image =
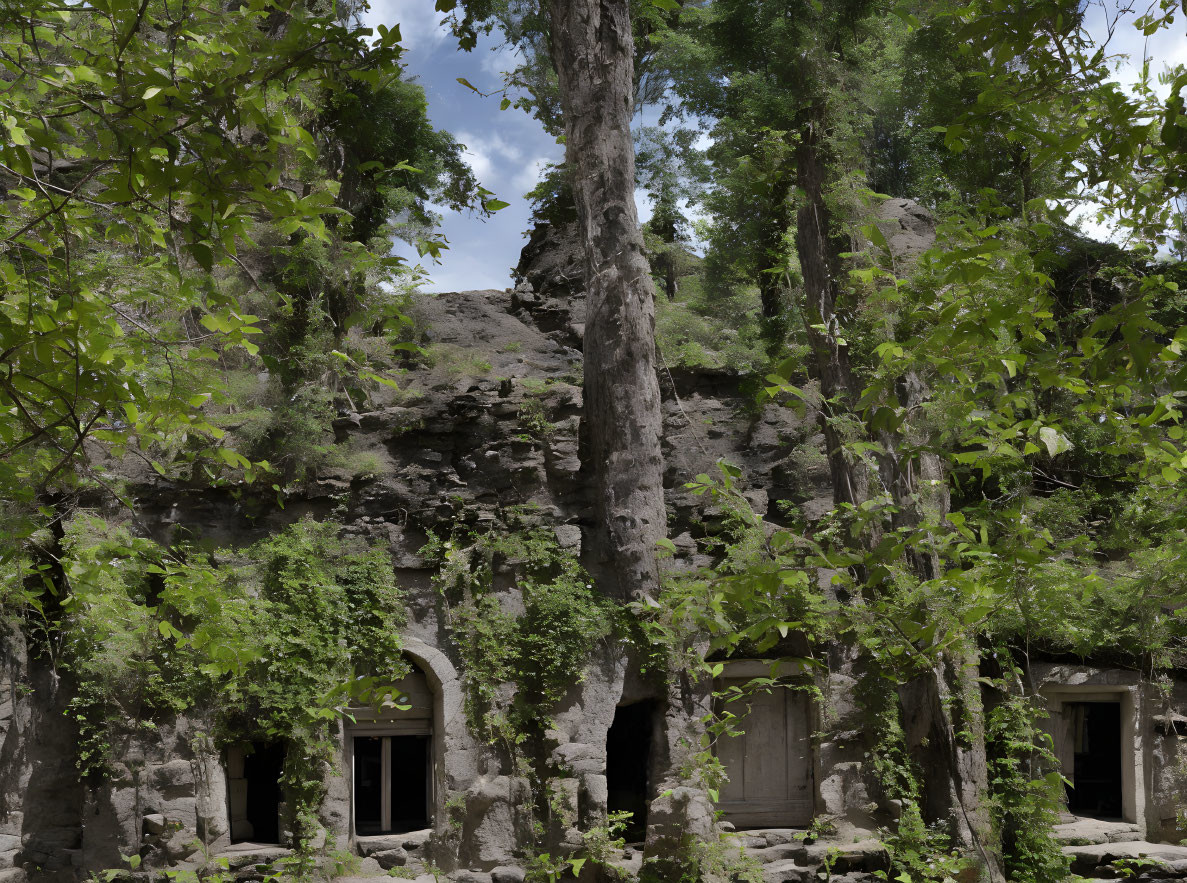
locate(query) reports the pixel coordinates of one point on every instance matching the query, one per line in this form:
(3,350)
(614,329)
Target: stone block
(155,823)
(787,872)
(507,874)
(391,858)
(470,877)
(173,775)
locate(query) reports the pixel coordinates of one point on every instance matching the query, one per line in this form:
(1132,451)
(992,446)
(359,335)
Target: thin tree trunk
(671,279)
(820,265)
(772,285)
(947,737)
(593,52)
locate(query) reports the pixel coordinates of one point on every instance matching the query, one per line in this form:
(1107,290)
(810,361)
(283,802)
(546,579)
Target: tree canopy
(197,280)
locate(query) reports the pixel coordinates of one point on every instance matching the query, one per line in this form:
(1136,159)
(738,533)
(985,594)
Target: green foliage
(322,602)
(700,330)
(393,160)
(270,642)
(1027,789)
(921,852)
(145,636)
(544,649)
(122,203)
(552,197)
(533,416)
(759,593)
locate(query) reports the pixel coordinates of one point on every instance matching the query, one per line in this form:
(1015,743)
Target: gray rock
(788,872)
(391,858)
(507,874)
(468,876)
(155,823)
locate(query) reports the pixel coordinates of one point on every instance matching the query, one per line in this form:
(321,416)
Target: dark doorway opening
(1096,752)
(628,765)
(262,766)
(392,784)
(368,785)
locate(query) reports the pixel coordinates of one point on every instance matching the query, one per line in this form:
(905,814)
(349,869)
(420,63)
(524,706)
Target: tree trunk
(820,264)
(593,53)
(947,734)
(671,271)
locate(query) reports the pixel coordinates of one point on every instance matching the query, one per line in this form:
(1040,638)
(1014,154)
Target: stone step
(799,862)
(377,843)
(243,855)
(777,853)
(787,872)
(864,855)
(1082,831)
(1171,860)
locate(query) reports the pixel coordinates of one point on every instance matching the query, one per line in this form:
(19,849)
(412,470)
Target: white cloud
(1130,49)
(500,60)
(1165,48)
(529,175)
(420,23)
(497,161)
(478,159)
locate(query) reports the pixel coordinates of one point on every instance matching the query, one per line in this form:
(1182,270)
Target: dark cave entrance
(628,765)
(1096,751)
(257,793)
(391,783)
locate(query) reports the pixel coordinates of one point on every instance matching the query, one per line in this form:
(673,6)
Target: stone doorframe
(446,724)
(1059,685)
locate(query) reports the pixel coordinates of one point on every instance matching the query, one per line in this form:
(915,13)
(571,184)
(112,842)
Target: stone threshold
(1085,831)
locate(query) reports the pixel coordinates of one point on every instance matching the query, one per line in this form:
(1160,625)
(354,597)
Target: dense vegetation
(195,255)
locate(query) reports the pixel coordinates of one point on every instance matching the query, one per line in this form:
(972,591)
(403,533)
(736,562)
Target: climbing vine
(541,649)
(266,644)
(521,651)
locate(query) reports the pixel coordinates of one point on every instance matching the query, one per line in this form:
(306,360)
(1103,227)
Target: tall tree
(593,53)
(783,82)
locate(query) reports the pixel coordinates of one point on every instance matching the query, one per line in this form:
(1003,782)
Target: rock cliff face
(490,420)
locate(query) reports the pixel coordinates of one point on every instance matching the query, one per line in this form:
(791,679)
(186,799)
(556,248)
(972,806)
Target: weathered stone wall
(41,798)
(492,419)
(1165,757)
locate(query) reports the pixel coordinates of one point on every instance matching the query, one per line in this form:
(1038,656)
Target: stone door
(770,765)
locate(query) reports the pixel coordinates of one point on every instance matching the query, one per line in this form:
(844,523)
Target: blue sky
(507,148)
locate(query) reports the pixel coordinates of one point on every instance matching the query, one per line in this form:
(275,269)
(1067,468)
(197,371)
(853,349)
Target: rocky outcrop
(487,420)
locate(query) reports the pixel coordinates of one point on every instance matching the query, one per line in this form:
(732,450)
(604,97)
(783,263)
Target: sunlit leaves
(143,142)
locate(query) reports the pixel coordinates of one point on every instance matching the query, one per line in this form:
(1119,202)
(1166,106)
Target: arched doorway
(392,762)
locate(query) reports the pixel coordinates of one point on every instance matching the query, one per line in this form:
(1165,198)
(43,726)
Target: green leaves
(140,167)
(1054,441)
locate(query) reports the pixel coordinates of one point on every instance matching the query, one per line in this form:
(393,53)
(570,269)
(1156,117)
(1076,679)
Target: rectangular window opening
(392,786)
